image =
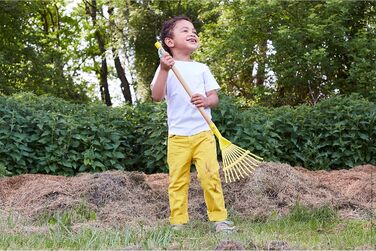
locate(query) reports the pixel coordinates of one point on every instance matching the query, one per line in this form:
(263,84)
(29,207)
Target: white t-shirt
(184,119)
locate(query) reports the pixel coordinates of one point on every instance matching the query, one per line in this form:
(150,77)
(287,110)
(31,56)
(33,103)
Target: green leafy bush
(339,132)
(53,136)
(41,134)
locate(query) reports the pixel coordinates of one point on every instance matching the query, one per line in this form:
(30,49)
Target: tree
(316,44)
(236,45)
(34,39)
(104,36)
(288,53)
(119,36)
(92,9)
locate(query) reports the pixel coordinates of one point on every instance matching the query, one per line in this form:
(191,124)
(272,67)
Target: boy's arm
(158,90)
(211,99)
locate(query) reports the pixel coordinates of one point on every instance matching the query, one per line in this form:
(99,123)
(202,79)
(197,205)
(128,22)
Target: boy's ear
(169,42)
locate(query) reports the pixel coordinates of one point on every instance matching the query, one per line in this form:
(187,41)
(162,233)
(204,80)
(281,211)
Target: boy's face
(184,37)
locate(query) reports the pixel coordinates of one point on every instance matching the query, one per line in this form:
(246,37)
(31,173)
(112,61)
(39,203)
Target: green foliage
(36,43)
(41,134)
(292,52)
(337,133)
(4,171)
(65,139)
(272,53)
(152,135)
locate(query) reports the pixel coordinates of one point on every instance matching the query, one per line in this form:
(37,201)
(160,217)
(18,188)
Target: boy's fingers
(198,100)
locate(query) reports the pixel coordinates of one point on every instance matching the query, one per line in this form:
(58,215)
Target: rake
(236,162)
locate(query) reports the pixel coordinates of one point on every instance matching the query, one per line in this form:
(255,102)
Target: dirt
(120,198)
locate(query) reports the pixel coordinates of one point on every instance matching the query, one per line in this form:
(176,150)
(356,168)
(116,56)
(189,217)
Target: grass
(303,228)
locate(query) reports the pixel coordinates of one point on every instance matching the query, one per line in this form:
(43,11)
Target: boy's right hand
(166,62)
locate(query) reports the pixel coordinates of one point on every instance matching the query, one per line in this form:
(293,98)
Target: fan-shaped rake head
(237,162)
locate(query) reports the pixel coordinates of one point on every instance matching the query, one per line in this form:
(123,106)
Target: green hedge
(339,132)
(49,135)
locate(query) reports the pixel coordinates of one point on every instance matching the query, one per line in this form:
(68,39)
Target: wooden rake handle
(185,85)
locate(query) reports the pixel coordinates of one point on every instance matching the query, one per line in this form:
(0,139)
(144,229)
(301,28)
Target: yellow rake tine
(248,162)
(239,161)
(232,174)
(228,175)
(244,164)
(227,163)
(224,162)
(226,180)
(231,158)
(227,152)
(244,170)
(236,172)
(234,156)
(246,167)
(231,166)
(236,166)
(240,154)
(240,170)
(243,152)
(234,169)
(249,158)
(227,158)
(249,153)
(252,161)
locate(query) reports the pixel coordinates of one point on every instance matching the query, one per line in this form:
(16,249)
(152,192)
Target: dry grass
(121,198)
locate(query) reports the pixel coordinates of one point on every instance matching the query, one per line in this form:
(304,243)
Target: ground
(119,198)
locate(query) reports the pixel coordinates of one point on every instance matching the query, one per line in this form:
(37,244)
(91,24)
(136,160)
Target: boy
(190,139)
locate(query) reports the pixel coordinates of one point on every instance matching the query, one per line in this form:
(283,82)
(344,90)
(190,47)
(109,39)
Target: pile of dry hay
(129,197)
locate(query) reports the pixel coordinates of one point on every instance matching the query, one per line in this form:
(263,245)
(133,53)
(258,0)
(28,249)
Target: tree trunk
(124,85)
(105,93)
(125,89)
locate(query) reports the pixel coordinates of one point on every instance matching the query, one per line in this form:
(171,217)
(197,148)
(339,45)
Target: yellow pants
(181,152)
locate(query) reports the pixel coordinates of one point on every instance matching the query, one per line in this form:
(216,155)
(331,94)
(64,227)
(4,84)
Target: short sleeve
(210,82)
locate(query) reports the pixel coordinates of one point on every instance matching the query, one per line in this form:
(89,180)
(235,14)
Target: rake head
(237,162)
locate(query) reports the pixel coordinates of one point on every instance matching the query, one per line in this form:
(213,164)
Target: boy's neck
(182,56)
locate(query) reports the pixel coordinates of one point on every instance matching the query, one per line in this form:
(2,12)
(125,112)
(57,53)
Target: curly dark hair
(167,28)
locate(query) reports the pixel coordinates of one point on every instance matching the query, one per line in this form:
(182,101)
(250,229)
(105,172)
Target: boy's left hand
(199,100)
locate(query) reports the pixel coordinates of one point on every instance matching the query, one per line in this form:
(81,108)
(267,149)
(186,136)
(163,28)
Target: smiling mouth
(192,40)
